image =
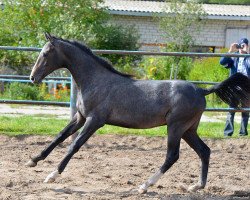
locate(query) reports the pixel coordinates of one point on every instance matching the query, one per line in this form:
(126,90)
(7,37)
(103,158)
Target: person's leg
(244,122)
(229,127)
(244,118)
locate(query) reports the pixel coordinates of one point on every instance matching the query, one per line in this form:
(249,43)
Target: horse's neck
(86,71)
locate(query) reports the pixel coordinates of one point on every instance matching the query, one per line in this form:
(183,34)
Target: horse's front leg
(75,124)
(90,126)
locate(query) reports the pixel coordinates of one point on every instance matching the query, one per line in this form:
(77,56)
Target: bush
(61,93)
(25,21)
(159,68)
(115,37)
(19,91)
(24,91)
(209,69)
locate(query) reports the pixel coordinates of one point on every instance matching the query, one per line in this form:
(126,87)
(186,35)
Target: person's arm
(228,61)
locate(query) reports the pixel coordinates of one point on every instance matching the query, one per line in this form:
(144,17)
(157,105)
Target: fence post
(73,95)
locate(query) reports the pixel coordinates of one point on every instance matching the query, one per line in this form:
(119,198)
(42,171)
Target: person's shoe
(242,134)
(227,136)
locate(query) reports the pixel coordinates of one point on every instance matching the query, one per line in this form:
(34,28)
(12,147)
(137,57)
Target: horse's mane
(100,60)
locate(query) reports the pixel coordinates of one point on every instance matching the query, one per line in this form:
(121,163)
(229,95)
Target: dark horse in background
(106,96)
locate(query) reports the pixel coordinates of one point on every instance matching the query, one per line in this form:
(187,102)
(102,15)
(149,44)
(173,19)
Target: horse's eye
(45,54)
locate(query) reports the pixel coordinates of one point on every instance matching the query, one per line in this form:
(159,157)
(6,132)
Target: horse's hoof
(49,180)
(142,189)
(183,188)
(30,163)
(194,188)
(51,177)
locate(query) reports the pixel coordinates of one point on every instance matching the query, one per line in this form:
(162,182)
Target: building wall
(214,33)
(151,37)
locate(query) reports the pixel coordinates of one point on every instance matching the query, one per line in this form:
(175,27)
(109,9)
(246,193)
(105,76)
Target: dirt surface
(113,166)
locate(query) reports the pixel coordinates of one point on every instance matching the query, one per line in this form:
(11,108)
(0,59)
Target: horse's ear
(49,37)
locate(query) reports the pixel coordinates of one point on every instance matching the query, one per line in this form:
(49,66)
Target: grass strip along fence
(47,125)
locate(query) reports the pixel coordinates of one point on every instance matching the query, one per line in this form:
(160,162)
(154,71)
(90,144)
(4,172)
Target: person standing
(237,65)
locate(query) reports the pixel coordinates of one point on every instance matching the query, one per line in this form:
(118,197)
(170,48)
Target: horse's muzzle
(35,80)
(32,78)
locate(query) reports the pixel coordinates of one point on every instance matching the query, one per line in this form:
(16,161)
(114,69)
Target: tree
(25,22)
(117,37)
(181,21)
(235,2)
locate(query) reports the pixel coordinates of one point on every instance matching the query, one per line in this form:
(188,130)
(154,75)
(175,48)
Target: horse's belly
(139,122)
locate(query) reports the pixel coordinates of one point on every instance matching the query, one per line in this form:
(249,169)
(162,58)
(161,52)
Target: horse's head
(48,60)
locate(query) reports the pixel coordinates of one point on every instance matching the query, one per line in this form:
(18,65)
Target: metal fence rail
(28,81)
(4,76)
(120,52)
(32,102)
(149,53)
(25,79)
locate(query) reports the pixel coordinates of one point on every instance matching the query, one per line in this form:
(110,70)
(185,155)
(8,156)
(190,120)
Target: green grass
(45,125)
(30,125)
(205,130)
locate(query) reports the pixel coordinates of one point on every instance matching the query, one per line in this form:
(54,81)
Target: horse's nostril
(32,78)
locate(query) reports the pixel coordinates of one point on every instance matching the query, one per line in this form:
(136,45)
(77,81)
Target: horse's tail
(234,90)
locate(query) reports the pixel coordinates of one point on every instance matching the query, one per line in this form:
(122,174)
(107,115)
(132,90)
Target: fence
(25,79)
(72,103)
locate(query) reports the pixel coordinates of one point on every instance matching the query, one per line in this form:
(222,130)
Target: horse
(107,96)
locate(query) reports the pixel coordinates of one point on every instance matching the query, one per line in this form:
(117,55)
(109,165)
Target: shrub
(20,91)
(160,68)
(116,37)
(24,91)
(209,69)
(62,93)
(25,21)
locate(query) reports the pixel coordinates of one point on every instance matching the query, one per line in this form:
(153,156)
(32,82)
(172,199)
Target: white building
(224,23)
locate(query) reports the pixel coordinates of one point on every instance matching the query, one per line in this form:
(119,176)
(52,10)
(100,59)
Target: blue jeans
(229,128)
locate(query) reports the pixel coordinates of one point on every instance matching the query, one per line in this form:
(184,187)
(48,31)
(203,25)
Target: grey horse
(106,96)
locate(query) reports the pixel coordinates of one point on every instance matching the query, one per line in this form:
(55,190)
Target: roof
(149,8)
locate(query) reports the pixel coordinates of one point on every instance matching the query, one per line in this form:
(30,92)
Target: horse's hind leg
(203,151)
(75,124)
(174,137)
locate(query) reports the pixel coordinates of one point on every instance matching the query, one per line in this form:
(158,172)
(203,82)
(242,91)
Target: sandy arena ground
(113,166)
